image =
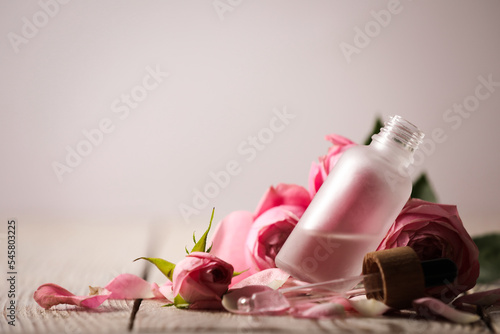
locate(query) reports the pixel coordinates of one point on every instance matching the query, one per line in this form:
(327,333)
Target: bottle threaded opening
(401,132)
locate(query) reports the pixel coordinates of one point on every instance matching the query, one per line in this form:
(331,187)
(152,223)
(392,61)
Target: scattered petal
(369,307)
(483,298)
(48,295)
(436,306)
(317,311)
(346,303)
(273,278)
(128,286)
(124,286)
(166,291)
(157,292)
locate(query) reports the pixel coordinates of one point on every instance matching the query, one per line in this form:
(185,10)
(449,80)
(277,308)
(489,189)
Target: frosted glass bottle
(354,208)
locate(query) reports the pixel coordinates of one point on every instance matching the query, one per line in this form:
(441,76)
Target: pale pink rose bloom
(283,194)
(320,170)
(251,241)
(436,231)
(201,279)
(268,234)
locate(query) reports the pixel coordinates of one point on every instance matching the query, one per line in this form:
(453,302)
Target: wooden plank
(494,315)
(111,317)
(73,256)
(490,314)
(154,318)
(77,256)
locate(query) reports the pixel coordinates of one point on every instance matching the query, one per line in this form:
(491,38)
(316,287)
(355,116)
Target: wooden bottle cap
(401,276)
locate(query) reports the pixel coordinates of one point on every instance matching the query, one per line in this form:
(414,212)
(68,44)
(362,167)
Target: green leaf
(376,129)
(167,268)
(179,302)
(168,305)
(236,273)
(422,189)
(201,245)
(489,257)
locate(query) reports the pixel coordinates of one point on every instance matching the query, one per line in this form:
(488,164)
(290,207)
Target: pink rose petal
(268,233)
(436,231)
(338,140)
(48,295)
(438,307)
(283,194)
(483,298)
(317,311)
(229,241)
(158,291)
(319,171)
(369,307)
(316,178)
(273,278)
(128,286)
(166,291)
(124,286)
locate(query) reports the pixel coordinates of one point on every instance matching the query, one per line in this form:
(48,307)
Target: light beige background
(229,68)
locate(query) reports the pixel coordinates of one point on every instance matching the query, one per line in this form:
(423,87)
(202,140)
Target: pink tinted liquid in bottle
(355,206)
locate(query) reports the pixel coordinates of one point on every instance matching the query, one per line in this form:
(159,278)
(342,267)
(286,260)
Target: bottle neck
(398,139)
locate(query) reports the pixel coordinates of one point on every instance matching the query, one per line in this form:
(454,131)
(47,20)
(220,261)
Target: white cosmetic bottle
(354,208)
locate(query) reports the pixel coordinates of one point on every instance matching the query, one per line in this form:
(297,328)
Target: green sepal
(179,302)
(201,245)
(186,249)
(489,257)
(422,189)
(167,268)
(236,273)
(376,129)
(168,305)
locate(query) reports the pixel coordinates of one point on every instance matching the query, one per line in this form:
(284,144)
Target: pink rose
(436,231)
(269,232)
(201,279)
(319,171)
(251,241)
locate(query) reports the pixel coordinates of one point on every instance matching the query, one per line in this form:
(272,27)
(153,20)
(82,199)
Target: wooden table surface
(76,256)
